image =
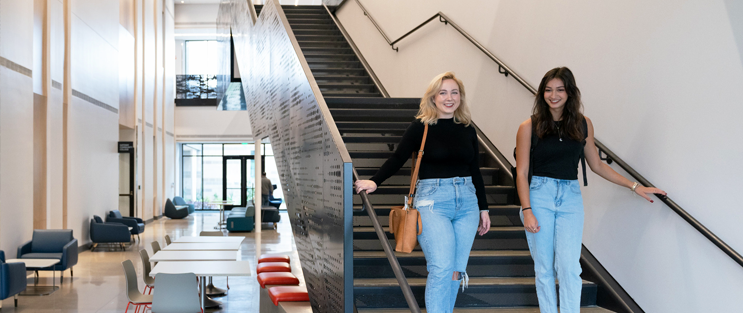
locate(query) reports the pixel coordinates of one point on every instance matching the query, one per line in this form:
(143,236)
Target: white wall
(208,124)
(92,131)
(659,81)
(16,125)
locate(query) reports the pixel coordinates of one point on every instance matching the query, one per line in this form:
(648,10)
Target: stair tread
(419,254)
(369,229)
(474,281)
(589,309)
(490,206)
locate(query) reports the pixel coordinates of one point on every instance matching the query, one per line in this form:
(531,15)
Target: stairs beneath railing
(500,268)
(337,70)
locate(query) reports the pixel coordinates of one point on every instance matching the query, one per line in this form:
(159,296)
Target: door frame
(243,177)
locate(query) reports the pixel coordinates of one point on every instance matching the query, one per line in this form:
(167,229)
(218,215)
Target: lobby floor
(99,286)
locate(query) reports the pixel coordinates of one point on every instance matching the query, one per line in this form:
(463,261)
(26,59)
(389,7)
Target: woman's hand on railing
(365,185)
(645,192)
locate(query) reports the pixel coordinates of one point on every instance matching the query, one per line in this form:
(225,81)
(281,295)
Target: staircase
(500,268)
(337,70)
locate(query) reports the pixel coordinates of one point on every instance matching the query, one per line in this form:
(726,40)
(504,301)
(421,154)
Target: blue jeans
(450,216)
(558,206)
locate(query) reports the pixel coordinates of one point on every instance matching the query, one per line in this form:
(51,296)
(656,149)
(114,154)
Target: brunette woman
(552,206)
(450,194)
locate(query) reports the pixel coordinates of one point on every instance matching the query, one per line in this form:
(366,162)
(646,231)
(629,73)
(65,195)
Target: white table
(217,246)
(34,265)
(221,212)
(161,256)
(209,239)
(203,269)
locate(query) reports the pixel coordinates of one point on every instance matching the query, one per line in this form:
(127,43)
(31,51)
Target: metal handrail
(610,156)
(366,204)
(406,291)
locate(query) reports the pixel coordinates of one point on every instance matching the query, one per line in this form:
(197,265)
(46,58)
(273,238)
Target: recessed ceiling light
(182,1)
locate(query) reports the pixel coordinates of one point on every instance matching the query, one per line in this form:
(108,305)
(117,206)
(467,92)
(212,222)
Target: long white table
(209,239)
(161,256)
(218,246)
(203,269)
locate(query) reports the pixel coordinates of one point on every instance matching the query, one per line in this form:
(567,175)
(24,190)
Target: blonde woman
(450,194)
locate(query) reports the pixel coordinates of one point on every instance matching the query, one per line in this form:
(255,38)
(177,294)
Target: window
(202,172)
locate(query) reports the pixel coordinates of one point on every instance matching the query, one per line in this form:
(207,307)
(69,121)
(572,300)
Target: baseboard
(610,294)
(154,218)
(83,248)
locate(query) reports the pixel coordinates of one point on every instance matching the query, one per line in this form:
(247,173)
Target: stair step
(330,55)
(316,64)
(474,281)
(327,21)
(495,209)
(486,263)
(295,26)
(309,49)
(500,232)
(314,31)
(337,70)
(371,112)
(306,14)
(378,139)
(482,292)
(345,85)
(338,37)
(346,94)
(586,309)
(405,171)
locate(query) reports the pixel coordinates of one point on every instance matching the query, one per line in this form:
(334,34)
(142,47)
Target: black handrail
(610,156)
(406,291)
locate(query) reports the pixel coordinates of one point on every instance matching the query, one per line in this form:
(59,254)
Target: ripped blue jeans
(450,216)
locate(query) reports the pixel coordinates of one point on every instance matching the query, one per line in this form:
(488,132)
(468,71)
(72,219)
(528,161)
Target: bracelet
(634,186)
(526,208)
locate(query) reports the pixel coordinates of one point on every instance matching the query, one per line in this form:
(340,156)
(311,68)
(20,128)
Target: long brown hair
(429,114)
(572,118)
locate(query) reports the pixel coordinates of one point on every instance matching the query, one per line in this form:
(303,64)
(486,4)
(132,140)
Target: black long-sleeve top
(451,151)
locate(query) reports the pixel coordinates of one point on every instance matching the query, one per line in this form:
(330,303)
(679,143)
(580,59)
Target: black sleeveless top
(556,156)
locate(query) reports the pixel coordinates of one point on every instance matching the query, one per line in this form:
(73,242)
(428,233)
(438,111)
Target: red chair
(288,294)
(277,278)
(265,258)
(273,267)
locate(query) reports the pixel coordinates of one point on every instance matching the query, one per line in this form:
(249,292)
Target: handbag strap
(414,174)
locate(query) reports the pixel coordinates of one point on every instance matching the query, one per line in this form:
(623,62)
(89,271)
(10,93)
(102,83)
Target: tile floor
(98,284)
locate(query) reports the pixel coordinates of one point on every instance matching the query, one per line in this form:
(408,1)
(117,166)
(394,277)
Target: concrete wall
(659,80)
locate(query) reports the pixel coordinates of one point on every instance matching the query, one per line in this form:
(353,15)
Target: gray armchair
(52,244)
(101,232)
(180,201)
(136,223)
(173,212)
(12,278)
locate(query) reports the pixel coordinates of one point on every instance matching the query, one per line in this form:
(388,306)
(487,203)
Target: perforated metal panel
(285,104)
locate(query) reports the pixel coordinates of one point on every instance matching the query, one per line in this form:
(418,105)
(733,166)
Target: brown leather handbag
(405,220)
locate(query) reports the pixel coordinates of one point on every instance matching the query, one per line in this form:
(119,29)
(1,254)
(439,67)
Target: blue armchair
(52,244)
(180,201)
(136,223)
(172,212)
(101,232)
(12,278)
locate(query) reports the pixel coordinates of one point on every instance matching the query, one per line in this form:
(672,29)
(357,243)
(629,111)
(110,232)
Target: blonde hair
(429,114)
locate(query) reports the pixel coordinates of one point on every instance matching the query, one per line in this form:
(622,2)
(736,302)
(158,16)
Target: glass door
(239,180)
